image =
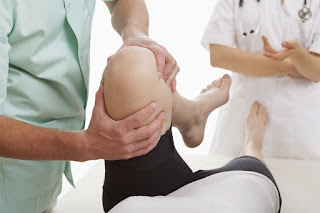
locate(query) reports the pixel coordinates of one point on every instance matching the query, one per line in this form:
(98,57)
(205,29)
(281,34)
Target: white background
(176,24)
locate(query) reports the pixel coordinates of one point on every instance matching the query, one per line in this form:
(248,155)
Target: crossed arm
(307,64)
(247,63)
(293,60)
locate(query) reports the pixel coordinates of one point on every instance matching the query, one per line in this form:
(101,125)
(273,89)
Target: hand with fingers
(166,64)
(282,55)
(108,139)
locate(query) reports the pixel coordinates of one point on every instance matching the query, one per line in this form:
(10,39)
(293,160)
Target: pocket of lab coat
(29,179)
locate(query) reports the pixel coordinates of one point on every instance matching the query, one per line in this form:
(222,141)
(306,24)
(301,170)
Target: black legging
(161,172)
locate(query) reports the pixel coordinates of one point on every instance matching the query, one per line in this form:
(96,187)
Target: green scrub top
(44,76)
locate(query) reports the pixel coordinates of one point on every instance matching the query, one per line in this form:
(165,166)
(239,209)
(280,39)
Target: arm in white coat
(305,62)
(308,64)
(248,63)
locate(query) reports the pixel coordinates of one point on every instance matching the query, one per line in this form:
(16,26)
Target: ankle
(251,148)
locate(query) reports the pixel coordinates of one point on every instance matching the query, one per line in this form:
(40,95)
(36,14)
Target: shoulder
(226,6)
(230,3)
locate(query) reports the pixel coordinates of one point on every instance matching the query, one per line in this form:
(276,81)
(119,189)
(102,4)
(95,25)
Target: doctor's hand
(289,48)
(283,55)
(108,139)
(167,66)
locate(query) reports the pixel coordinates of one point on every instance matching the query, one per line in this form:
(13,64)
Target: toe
(215,83)
(254,108)
(220,82)
(226,81)
(262,110)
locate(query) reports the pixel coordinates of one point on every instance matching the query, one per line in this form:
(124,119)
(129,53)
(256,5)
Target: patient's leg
(256,125)
(131,82)
(190,117)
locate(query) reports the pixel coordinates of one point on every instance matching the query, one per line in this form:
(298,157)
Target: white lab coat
(293,105)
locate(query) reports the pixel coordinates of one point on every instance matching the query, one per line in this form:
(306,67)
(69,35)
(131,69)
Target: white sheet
(234,192)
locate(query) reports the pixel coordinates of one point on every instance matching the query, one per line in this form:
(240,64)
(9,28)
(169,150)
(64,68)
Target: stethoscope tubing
(304,14)
(241,3)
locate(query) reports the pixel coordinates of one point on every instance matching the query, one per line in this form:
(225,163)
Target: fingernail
(155,105)
(225,77)
(284,43)
(160,75)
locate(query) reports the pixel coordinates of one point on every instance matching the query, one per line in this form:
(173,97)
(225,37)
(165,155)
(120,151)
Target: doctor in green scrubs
(44,74)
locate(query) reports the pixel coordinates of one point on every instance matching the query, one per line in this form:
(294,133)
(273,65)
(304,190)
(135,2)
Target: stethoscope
(304,14)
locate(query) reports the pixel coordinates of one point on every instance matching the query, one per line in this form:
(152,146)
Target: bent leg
(190,116)
(131,82)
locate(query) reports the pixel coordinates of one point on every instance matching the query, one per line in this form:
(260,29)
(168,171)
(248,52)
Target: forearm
(130,18)
(246,63)
(307,64)
(27,142)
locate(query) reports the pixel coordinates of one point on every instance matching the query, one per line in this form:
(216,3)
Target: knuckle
(136,119)
(150,132)
(166,75)
(124,141)
(151,141)
(118,131)
(127,151)
(157,51)
(175,63)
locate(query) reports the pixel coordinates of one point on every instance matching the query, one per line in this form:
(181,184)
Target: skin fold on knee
(131,82)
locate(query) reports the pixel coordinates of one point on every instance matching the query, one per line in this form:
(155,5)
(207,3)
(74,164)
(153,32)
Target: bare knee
(132,82)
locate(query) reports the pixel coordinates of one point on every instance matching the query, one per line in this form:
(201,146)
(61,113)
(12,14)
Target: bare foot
(256,126)
(215,95)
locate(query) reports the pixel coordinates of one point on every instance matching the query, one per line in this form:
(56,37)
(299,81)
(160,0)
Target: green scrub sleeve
(5,29)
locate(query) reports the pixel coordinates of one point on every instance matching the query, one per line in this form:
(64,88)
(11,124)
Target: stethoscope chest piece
(305,14)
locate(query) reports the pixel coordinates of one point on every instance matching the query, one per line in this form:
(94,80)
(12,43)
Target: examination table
(298,180)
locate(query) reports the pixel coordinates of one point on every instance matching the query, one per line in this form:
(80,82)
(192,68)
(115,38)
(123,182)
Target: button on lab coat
(292,104)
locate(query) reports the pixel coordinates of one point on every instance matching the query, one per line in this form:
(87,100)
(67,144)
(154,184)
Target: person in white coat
(272,47)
